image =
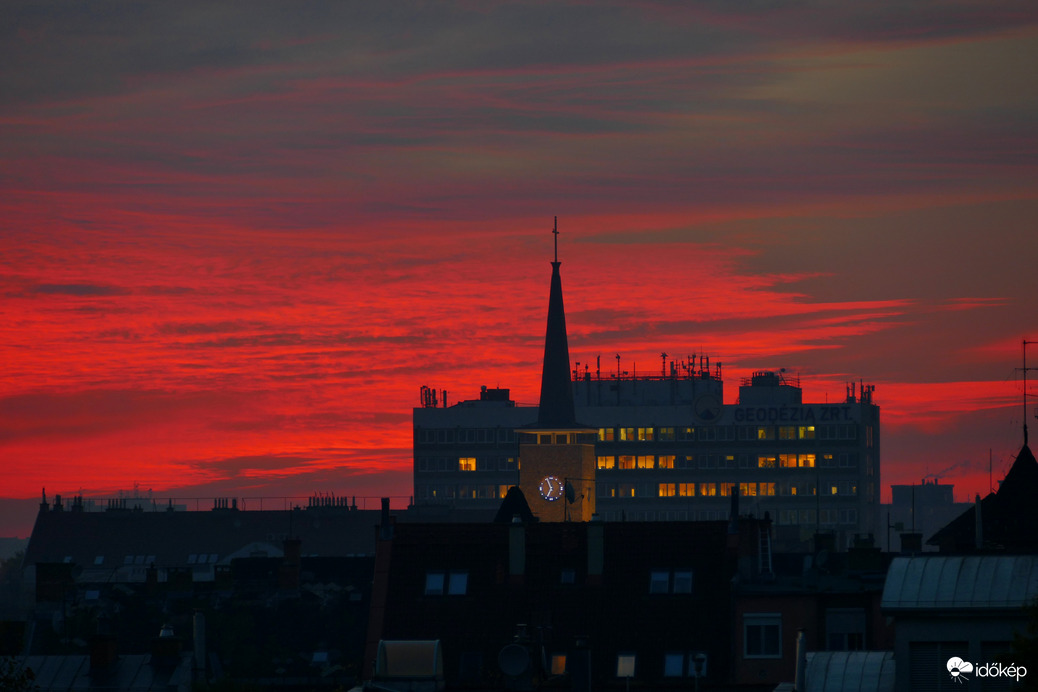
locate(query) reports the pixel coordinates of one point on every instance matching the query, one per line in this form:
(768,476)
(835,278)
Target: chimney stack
(516,550)
(198,635)
(595,550)
(385,529)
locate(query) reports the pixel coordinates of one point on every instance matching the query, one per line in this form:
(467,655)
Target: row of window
(713,433)
(465,435)
(826,517)
(628,462)
(676,664)
(723,433)
(477,491)
(481,463)
(845,488)
(455,582)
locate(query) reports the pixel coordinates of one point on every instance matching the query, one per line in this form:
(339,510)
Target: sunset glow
(234,242)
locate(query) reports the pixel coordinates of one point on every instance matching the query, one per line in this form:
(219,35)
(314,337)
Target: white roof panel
(850,671)
(970,581)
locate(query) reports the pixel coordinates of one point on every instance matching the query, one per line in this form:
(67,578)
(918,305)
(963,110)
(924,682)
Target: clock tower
(557,454)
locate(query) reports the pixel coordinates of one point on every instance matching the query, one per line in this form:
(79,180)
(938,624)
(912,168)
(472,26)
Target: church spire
(556,405)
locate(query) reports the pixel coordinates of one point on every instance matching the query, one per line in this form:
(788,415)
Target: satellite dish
(514,660)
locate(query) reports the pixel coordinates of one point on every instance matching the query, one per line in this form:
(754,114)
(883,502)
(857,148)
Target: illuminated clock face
(551,488)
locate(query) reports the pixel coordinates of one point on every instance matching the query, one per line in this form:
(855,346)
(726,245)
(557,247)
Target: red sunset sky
(235,239)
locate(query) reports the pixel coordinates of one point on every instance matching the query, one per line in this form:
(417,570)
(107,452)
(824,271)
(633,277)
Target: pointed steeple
(556,405)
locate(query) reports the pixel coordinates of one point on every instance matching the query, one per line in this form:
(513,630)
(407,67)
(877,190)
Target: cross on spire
(555,231)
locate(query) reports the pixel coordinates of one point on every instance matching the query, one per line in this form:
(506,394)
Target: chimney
(103,651)
(198,635)
(733,518)
(911,543)
(516,550)
(800,683)
(385,529)
(595,549)
(291,564)
(165,648)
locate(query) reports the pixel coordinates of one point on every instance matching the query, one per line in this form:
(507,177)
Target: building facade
(661,448)
(668,448)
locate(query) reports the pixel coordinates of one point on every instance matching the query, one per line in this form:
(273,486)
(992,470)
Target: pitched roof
(514,505)
(112,541)
(1008,515)
(556,404)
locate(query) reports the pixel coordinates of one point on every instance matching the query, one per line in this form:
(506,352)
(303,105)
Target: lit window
(707,489)
(666,490)
(665,461)
(646,461)
(807,461)
(766,433)
(502,490)
(558,664)
(766,488)
(626,462)
(762,635)
(806,432)
(626,490)
(834,490)
(625,665)
(645,434)
(606,462)
(627,435)
(665,434)
(726,489)
(748,489)
(687,489)
(787,461)
(467,463)
(767,462)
